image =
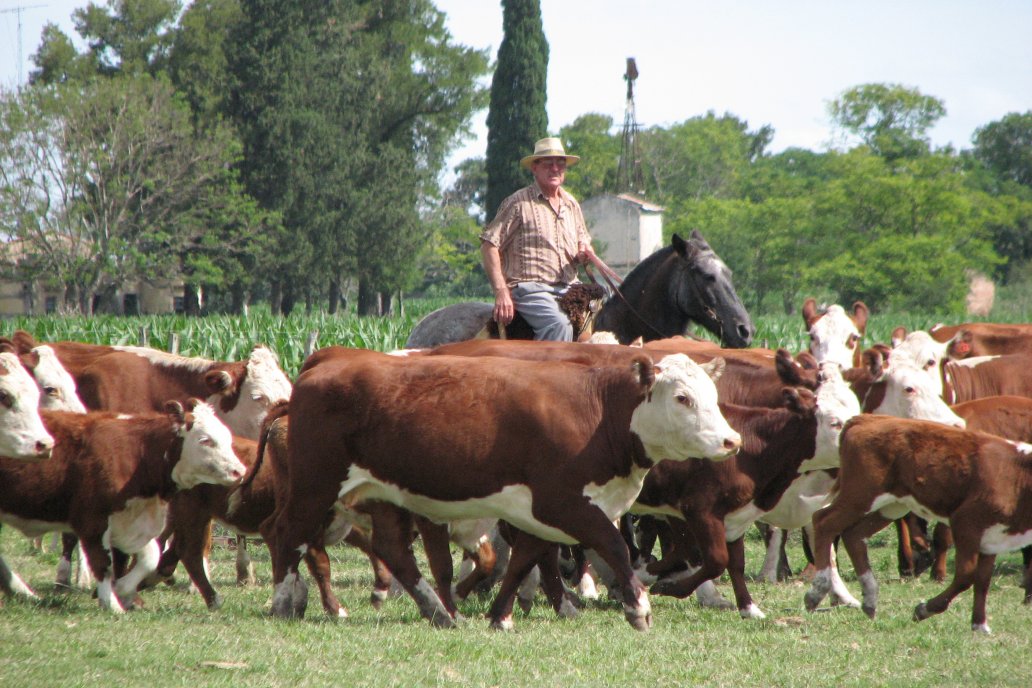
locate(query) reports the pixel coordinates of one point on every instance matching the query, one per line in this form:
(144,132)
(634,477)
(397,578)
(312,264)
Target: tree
(891,119)
(589,137)
(517,116)
(106,183)
(1005,147)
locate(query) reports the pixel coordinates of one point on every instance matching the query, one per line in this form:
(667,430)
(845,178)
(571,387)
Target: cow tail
(277,411)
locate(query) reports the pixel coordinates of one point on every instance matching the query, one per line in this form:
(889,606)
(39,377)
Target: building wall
(626,232)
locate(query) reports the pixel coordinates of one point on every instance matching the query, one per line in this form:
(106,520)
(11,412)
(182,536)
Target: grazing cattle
(834,334)
(130,379)
(22,434)
(983,339)
(890,466)
(558,450)
(779,476)
(109,481)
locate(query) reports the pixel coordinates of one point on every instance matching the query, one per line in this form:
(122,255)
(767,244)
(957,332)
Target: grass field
(66,640)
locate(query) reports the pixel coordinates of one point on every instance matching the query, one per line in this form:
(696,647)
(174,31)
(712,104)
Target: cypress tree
(517,116)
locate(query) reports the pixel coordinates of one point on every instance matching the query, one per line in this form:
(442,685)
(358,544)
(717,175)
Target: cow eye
(836,425)
(686,400)
(51,391)
(910,390)
(257,397)
(853,338)
(930,364)
(6,399)
(206,441)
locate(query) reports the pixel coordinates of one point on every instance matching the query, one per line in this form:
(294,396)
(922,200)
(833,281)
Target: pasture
(65,639)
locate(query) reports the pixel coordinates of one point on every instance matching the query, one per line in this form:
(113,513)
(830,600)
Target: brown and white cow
(22,434)
(558,450)
(109,481)
(56,385)
(834,334)
(891,466)
(983,339)
(780,476)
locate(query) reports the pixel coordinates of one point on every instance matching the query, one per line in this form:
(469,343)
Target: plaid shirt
(536,243)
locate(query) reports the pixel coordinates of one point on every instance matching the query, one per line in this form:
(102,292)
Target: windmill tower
(18,12)
(628,175)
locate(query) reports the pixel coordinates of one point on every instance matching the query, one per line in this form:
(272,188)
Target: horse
(678,284)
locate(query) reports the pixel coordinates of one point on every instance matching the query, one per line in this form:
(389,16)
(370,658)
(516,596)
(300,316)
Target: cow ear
(788,370)
(798,399)
(638,343)
(645,370)
(29,360)
(23,341)
(7,346)
(809,312)
(715,367)
(176,410)
(192,403)
(874,362)
(806,360)
(860,316)
(898,335)
(219,382)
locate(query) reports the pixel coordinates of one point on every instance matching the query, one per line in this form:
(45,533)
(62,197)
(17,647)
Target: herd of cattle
(133,453)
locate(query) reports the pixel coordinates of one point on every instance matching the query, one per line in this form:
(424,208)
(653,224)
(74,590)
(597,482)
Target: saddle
(581,303)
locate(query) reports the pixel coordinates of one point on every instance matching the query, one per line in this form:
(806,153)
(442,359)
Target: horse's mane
(644,270)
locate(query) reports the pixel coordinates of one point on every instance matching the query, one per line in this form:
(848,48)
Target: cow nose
(732,444)
(960,423)
(44,449)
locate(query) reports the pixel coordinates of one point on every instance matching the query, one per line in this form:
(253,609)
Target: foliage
(1005,147)
(589,137)
(517,116)
(891,119)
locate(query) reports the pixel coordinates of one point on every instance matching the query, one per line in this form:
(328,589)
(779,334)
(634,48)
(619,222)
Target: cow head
(22,435)
(679,417)
(922,351)
(243,393)
(834,334)
(911,393)
(836,403)
(207,455)
(55,383)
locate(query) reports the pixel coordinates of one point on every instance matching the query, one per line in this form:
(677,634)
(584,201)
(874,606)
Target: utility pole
(18,12)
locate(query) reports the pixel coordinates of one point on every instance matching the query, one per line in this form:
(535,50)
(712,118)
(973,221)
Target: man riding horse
(533,245)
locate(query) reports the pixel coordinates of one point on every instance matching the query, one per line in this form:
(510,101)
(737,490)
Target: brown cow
(834,334)
(109,481)
(22,435)
(983,339)
(559,450)
(890,466)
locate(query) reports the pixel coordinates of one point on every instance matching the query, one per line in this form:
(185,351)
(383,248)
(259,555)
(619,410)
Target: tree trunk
(368,299)
(191,305)
(289,299)
(387,303)
(276,297)
(238,299)
(334,296)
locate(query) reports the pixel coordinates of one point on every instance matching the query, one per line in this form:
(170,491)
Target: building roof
(641,203)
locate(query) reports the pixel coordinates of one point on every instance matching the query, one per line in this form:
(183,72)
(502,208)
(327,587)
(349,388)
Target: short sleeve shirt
(536,243)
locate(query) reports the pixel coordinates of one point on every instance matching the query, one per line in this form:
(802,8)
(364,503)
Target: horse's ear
(679,244)
(696,237)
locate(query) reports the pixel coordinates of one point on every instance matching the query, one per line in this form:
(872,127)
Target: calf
(777,477)
(890,466)
(834,334)
(559,450)
(109,481)
(983,339)
(22,435)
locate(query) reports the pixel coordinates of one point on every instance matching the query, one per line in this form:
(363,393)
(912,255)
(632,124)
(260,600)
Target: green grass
(65,639)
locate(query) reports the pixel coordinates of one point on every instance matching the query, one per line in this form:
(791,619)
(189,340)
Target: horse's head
(707,295)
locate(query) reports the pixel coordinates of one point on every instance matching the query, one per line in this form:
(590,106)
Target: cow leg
(904,548)
(942,540)
(438,556)
(244,566)
(318,562)
(189,544)
(392,542)
(552,584)
(12,584)
(855,540)
(774,539)
(382,577)
(710,536)
(64,566)
(967,536)
(1026,579)
(747,609)
(484,560)
(524,554)
(98,558)
(146,563)
(983,576)
(828,524)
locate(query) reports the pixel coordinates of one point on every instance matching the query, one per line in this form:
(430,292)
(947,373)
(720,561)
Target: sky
(767,62)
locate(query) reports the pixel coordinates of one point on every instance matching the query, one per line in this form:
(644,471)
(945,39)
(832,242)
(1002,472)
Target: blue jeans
(536,302)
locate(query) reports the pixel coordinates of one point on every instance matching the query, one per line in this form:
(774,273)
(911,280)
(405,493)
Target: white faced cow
(834,334)
(22,435)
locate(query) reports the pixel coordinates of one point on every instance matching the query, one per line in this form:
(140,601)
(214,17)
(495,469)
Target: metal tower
(629,175)
(18,12)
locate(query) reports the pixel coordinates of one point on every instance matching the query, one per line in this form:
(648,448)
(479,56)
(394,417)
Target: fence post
(310,342)
(173,342)
(144,341)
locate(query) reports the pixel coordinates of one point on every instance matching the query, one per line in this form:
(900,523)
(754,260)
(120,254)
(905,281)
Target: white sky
(775,62)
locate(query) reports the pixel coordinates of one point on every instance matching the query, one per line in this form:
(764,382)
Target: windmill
(628,175)
(18,12)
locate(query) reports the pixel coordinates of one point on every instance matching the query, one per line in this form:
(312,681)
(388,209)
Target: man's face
(550,173)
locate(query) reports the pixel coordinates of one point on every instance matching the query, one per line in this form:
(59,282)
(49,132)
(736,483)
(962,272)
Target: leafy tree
(517,116)
(891,119)
(197,63)
(1005,147)
(589,137)
(106,183)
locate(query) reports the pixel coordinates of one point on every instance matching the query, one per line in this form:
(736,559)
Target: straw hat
(550,147)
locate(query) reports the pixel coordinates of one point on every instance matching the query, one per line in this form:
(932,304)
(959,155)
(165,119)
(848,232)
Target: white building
(626,229)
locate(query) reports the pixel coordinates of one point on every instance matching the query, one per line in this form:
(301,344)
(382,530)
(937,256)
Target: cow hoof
(567,609)
(526,604)
(377,597)
(641,623)
(869,610)
(216,603)
(64,574)
(503,624)
(921,612)
(665,587)
(341,613)
(439,620)
(982,628)
(811,600)
(1028,599)
(752,612)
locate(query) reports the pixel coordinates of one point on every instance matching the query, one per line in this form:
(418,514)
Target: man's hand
(584,254)
(504,309)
